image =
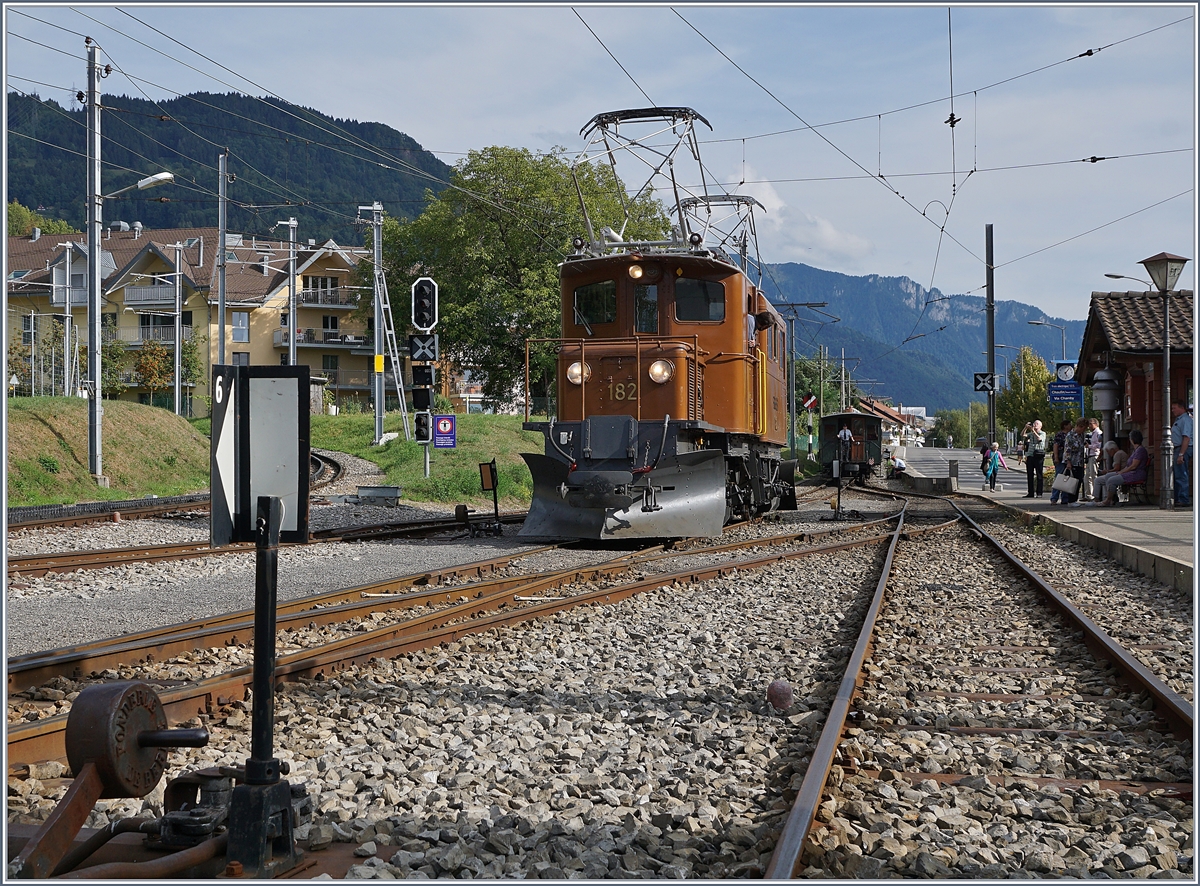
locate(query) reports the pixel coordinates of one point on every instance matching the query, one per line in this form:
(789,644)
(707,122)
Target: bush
(49,463)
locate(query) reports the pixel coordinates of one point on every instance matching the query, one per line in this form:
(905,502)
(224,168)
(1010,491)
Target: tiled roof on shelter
(1132,321)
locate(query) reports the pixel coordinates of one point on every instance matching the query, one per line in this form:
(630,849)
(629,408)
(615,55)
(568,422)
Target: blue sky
(457,78)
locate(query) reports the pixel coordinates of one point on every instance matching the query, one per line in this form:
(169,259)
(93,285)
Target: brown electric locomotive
(671,380)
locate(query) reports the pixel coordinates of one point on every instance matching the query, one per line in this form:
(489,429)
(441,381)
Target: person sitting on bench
(1135,471)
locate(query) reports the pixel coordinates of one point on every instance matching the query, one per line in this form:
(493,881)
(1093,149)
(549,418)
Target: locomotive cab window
(645,308)
(596,303)
(699,300)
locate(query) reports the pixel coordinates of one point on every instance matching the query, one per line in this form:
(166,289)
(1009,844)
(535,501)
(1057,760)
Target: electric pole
(94,222)
(222,231)
(991,334)
(293,323)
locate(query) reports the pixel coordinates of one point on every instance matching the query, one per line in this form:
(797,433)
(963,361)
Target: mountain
(877,313)
(299,162)
(288,161)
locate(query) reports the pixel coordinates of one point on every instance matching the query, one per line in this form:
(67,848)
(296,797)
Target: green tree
(112,367)
(493,242)
(191,359)
(955,423)
(154,366)
(22,221)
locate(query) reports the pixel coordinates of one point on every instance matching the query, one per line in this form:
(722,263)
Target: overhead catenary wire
(881,179)
(613,57)
(1090,53)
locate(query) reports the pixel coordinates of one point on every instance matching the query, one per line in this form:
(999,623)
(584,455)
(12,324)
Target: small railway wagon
(864,455)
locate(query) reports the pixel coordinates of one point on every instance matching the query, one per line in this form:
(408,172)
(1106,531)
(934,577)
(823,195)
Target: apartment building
(46,285)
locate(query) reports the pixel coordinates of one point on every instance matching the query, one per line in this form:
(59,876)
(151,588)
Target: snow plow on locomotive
(671,375)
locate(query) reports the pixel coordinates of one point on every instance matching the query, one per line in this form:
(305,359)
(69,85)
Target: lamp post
(1061,329)
(95,220)
(1164,269)
(1020,366)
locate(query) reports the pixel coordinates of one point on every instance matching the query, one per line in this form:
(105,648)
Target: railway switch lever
(261,813)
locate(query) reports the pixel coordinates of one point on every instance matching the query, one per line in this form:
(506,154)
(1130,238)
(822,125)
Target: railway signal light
(423,376)
(422,398)
(424,304)
(423,427)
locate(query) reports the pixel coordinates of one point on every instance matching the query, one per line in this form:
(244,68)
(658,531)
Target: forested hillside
(287,162)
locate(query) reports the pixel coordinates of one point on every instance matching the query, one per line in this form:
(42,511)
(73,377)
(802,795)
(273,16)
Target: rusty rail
(43,739)
(789,850)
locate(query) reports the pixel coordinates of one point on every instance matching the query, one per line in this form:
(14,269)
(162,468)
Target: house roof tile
(1132,321)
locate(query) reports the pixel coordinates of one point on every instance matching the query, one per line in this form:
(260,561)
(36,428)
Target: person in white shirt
(1092,460)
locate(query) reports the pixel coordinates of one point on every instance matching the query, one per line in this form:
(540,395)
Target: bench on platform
(1140,493)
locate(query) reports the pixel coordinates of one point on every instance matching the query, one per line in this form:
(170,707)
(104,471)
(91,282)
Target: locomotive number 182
(622,390)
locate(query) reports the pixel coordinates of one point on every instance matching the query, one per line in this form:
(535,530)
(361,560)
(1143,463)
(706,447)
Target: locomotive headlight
(661,371)
(635,271)
(578,373)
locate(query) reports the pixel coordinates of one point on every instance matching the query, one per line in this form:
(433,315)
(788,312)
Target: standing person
(1135,471)
(1181,440)
(1095,440)
(1074,455)
(844,439)
(994,462)
(1057,457)
(949,441)
(1034,443)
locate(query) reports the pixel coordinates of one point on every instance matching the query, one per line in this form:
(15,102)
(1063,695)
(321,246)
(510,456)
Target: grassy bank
(146,451)
(454,473)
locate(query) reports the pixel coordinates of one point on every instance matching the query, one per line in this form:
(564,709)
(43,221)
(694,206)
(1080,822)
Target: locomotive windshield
(699,299)
(596,303)
(645,303)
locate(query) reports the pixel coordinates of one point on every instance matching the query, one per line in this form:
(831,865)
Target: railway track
(372,621)
(33,565)
(967,688)
(875,765)
(323,470)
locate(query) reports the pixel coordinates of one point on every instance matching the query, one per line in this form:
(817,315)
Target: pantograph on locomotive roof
(709,220)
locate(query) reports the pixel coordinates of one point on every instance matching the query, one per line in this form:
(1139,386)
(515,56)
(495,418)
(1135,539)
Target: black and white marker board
(260,446)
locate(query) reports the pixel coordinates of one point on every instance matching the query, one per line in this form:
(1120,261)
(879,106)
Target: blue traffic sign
(445,434)
(1065,392)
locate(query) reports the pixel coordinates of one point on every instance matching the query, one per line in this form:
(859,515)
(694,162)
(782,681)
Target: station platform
(1148,540)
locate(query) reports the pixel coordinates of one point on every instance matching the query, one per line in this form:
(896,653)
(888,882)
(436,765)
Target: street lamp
(95,224)
(1019,366)
(96,198)
(1164,269)
(1061,329)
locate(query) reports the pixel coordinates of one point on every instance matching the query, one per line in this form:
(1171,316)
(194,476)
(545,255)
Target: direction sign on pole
(985,382)
(1065,392)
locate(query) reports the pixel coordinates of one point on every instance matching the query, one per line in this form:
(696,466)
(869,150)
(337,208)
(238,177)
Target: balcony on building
(320,338)
(58,297)
(151,294)
(136,336)
(337,297)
